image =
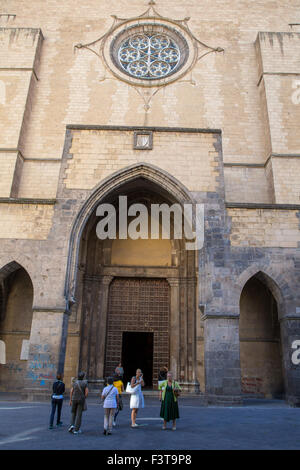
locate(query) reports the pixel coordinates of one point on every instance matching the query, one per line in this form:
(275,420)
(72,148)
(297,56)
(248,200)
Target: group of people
(111,396)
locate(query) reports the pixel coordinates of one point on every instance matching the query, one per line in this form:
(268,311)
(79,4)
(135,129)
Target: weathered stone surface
(223,136)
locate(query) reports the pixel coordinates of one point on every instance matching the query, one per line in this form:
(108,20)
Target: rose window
(149,55)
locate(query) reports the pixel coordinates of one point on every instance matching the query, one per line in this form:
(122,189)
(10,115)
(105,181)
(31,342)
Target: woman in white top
(137,398)
(110,395)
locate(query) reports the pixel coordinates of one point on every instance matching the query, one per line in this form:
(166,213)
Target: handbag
(131,390)
(176,391)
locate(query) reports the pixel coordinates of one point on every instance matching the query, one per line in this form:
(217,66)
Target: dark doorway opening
(137,353)
(261,357)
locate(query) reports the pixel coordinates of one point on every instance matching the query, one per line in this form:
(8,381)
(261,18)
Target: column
(191,285)
(102,325)
(174,326)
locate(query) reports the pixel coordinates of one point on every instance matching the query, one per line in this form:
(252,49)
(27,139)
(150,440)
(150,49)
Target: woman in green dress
(169,390)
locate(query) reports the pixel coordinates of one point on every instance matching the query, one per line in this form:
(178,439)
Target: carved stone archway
(166,183)
(89,280)
(282,291)
(16,314)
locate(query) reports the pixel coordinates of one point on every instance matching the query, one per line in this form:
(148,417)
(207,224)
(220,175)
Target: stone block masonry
(225,135)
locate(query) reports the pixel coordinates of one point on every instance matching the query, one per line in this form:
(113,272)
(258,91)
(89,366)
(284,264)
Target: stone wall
(20,53)
(235,91)
(264,227)
(96,154)
(279,81)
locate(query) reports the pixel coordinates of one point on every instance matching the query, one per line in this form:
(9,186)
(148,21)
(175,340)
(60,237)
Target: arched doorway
(138,327)
(159,280)
(16,297)
(260,342)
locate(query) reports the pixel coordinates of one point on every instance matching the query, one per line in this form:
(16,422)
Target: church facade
(151,104)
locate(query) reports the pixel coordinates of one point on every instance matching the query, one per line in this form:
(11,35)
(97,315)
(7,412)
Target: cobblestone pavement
(258,424)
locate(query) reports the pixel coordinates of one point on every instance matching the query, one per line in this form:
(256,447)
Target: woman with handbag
(169,392)
(137,398)
(78,395)
(110,395)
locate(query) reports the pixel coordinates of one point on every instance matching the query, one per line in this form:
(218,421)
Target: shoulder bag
(176,391)
(83,396)
(130,389)
(105,396)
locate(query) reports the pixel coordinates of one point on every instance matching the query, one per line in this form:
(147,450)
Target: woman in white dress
(137,398)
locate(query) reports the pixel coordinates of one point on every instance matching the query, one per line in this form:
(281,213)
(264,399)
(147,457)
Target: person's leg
(119,408)
(110,418)
(174,425)
(78,416)
(133,416)
(53,406)
(165,424)
(106,414)
(59,407)
(73,416)
(116,412)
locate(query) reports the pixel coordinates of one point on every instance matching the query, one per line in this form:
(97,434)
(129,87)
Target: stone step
(152,394)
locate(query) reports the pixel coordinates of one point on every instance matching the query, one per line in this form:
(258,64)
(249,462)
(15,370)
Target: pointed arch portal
(16,298)
(143,287)
(260,341)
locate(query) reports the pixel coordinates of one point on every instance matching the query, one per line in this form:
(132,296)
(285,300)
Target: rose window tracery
(149,55)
